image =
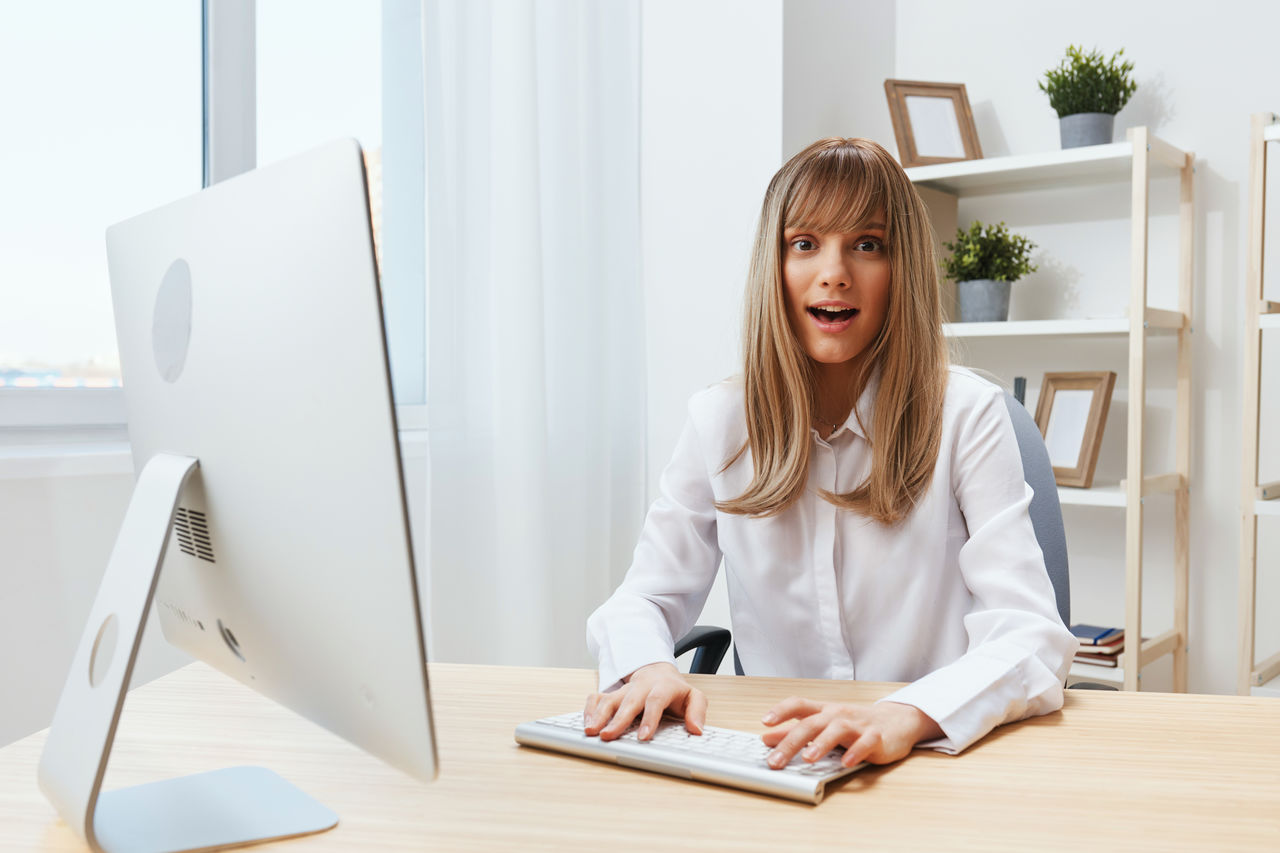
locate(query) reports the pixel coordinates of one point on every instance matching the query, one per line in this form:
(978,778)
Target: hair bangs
(840,190)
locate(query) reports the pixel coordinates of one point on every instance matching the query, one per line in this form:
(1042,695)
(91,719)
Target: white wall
(710,139)
(1200,76)
(837,55)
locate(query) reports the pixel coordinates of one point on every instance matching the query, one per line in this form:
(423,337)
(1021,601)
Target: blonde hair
(837,185)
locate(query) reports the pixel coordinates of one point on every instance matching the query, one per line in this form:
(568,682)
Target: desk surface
(1112,770)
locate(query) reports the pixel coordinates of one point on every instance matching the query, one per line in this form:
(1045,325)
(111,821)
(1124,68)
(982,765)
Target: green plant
(988,251)
(1089,83)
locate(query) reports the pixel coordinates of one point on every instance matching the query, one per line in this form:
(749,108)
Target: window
(102,121)
(354,68)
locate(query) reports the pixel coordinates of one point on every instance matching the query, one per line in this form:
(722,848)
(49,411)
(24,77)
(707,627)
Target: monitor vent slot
(191,529)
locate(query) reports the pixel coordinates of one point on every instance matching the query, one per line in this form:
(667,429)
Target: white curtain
(535,346)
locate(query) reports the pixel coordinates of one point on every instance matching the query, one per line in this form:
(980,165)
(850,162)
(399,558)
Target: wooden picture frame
(932,122)
(1071,414)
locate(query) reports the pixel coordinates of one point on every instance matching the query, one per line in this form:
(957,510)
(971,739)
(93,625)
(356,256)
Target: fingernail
(775,758)
(644,732)
(768,718)
(811,752)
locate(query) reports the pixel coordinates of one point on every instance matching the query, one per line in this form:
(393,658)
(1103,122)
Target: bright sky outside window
(319,69)
(101,111)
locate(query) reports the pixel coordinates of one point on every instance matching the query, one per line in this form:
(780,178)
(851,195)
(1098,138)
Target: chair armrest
(711,643)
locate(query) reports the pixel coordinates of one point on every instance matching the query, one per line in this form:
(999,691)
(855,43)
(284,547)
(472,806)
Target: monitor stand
(222,808)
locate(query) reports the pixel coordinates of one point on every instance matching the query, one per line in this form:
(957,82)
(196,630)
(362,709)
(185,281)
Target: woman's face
(837,289)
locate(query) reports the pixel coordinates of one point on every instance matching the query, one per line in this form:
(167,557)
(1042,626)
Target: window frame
(229,142)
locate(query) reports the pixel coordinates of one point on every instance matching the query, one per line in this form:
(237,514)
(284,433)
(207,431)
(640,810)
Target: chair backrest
(1045,510)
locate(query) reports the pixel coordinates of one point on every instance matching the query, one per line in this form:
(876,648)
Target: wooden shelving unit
(1136,161)
(1256,499)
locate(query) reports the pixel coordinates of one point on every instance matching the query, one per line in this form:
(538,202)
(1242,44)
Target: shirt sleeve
(672,569)
(1019,651)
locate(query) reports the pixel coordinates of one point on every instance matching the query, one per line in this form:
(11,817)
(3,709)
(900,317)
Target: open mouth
(831,314)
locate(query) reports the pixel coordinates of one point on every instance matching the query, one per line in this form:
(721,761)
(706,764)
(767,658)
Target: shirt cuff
(617,664)
(967,699)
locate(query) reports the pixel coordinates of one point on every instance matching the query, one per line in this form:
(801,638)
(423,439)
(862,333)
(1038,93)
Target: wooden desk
(1111,771)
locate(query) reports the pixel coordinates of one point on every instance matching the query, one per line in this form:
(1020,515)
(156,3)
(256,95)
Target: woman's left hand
(880,733)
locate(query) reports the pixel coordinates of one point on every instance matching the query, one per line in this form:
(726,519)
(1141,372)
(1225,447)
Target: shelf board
(1272,133)
(1269,321)
(1266,507)
(1093,164)
(1271,688)
(1089,672)
(1109,494)
(1028,328)
(1157,321)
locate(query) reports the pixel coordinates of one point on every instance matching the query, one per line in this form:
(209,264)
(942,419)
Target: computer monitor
(270,501)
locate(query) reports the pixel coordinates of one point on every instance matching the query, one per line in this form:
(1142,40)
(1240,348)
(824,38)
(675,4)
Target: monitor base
(206,811)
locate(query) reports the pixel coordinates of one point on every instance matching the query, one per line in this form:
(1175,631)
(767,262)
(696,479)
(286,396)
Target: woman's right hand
(651,689)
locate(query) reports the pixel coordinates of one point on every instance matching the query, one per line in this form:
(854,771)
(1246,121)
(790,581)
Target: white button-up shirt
(954,599)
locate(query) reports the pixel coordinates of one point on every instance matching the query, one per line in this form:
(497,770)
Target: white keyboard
(720,756)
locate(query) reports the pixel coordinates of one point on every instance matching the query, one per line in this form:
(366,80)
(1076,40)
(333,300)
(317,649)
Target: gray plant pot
(982,300)
(1086,129)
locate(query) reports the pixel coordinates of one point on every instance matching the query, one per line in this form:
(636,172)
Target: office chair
(712,643)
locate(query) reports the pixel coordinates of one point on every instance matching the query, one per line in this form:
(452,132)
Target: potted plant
(984,262)
(1087,90)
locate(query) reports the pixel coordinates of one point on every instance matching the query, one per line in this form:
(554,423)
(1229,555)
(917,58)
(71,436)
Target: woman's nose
(835,271)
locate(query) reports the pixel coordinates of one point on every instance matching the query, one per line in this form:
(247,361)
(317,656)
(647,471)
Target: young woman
(867,499)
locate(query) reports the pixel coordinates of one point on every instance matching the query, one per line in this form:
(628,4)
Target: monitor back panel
(251,337)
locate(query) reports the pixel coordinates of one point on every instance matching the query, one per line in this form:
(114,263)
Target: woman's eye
(870,245)
(802,245)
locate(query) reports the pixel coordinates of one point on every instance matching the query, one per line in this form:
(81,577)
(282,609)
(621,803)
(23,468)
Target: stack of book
(1099,646)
